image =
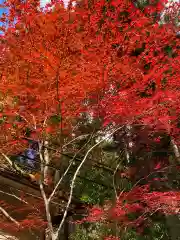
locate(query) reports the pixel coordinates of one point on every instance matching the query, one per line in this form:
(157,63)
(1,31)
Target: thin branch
(8,216)
(34,195)
(20,199)
(78,137)
(156,171)
(97,164)
(114,174)
(44,122)
(59,182)
(12,195)
(74,179)
(7,158)
(4,236)
(13,164)
(25,119)
(64,174)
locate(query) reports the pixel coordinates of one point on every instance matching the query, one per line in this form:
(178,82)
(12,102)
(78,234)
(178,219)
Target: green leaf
(28,132)
(55,119)
(85,198)
(168,50)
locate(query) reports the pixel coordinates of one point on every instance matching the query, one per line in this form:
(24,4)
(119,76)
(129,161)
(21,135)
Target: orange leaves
(103,56)
(35,177)
(63,74)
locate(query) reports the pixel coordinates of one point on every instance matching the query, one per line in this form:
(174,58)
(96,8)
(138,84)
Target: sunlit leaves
(48,65)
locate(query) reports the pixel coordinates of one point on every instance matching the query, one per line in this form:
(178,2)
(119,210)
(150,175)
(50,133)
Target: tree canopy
(97,67)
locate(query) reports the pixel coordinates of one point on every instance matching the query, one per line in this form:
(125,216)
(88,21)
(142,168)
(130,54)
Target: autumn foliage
(134,209)
(28,214)
(109,58)
(50,64)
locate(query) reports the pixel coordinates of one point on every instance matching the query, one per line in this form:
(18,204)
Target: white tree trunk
(176,150)
(128,143)
(47,162)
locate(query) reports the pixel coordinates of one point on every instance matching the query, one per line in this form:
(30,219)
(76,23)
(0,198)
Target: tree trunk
(176,150)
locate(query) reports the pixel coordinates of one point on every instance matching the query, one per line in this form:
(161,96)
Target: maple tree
(108,58)
(48,50)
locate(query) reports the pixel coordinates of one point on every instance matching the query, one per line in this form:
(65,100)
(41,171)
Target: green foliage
(155,231)
(18,118)
(3,119)
(141,4)
(79,234)
(55,119)
(109,147)
(28,132)
(168,50)
(91,231)
(85,198)
(91,192)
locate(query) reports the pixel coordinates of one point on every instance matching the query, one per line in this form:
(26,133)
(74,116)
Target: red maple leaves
(139,201)
(112,59)
(52,50)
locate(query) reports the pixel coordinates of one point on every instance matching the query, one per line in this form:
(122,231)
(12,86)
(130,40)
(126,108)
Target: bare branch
(114,174)
(4,236)
(78,137)
(20,199)
(74,179)
(8,216)
(25,119)
(44,123)
(12,195)
(64,174)
(7,158)
(59,182)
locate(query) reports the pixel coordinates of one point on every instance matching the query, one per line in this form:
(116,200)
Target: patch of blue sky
(2,10)
(43,3)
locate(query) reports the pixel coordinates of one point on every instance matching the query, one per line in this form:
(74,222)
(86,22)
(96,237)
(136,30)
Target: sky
(1,9)
(44,2)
